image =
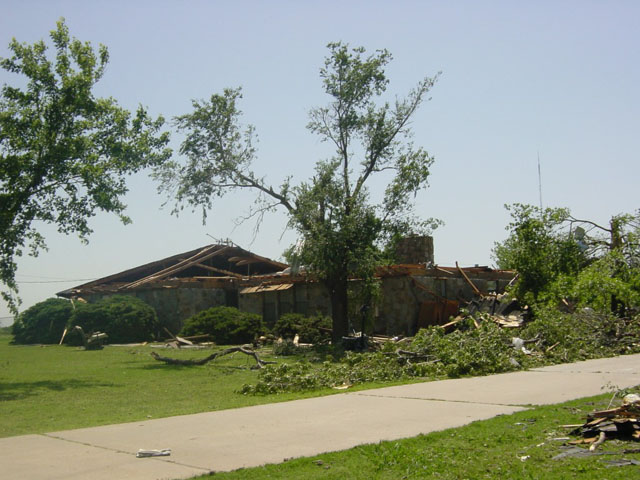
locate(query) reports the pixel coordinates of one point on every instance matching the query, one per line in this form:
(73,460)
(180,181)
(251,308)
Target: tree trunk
(339,304)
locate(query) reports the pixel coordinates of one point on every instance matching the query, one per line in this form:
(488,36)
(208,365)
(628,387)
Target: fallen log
(189,362)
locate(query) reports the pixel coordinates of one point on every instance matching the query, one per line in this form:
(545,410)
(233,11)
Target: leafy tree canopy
(559,257)
(340,227)
(539,248)
(64,153)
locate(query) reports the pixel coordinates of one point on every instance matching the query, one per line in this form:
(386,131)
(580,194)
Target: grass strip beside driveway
(521,445)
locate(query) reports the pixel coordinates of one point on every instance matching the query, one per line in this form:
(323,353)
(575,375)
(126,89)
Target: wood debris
(501,309)
(93,340)
(174,341)
(497,308)
(621,423)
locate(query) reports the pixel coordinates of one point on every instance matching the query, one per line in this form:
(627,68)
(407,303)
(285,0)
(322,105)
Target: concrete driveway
(246,437)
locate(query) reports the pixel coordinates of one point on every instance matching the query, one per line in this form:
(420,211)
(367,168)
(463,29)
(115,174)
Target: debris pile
(498,308)
(622,423)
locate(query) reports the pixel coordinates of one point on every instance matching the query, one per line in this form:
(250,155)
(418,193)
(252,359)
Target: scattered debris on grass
(175,341)
(622,423)
(623,462)
(93,340)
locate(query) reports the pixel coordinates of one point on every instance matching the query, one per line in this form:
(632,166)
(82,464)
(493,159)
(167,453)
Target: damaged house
(182,285)
(415,293)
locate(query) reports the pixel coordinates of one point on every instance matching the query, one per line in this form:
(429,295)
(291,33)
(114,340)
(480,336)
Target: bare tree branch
(203,361)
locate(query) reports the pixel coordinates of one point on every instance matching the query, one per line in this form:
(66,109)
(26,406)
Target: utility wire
(57,281)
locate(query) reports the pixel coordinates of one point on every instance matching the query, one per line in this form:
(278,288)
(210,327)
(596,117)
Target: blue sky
(555,77)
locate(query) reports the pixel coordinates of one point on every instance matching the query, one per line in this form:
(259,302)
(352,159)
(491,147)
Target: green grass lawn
(519,446)
(48,388)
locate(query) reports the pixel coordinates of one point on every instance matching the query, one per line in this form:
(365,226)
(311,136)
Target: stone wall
(409,303)
(398,309)
(305,298)
(174,305)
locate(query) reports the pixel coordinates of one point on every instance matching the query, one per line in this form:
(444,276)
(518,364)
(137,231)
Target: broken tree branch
(177,361)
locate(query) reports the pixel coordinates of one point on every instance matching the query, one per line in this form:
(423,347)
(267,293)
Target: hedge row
(229,326)
(123,318)
(127,319)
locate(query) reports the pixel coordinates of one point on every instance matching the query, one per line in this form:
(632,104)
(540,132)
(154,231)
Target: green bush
(315,329)
(124,318)
(42,323)
(227,325)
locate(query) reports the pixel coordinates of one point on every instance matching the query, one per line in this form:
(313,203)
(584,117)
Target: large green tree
(540,248)
(64,154)
(341,229)
(559,257)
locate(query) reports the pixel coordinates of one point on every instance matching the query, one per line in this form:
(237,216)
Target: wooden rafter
(218,270)
(200,257)
(247,262)
(468,280)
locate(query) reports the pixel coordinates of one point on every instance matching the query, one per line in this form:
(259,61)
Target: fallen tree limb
(177,361)
(408,357)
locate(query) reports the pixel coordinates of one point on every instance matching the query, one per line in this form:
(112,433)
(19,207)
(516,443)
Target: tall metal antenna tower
(539,180)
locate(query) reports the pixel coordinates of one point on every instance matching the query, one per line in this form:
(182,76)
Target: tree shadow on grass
(211,368)
(20,390)
(164,366)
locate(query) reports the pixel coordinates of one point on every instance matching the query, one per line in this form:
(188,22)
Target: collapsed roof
(229,266)
(202,265)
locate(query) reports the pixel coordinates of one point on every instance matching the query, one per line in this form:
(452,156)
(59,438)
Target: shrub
(42,323)
(227,325)
(124,318)
(315,329)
